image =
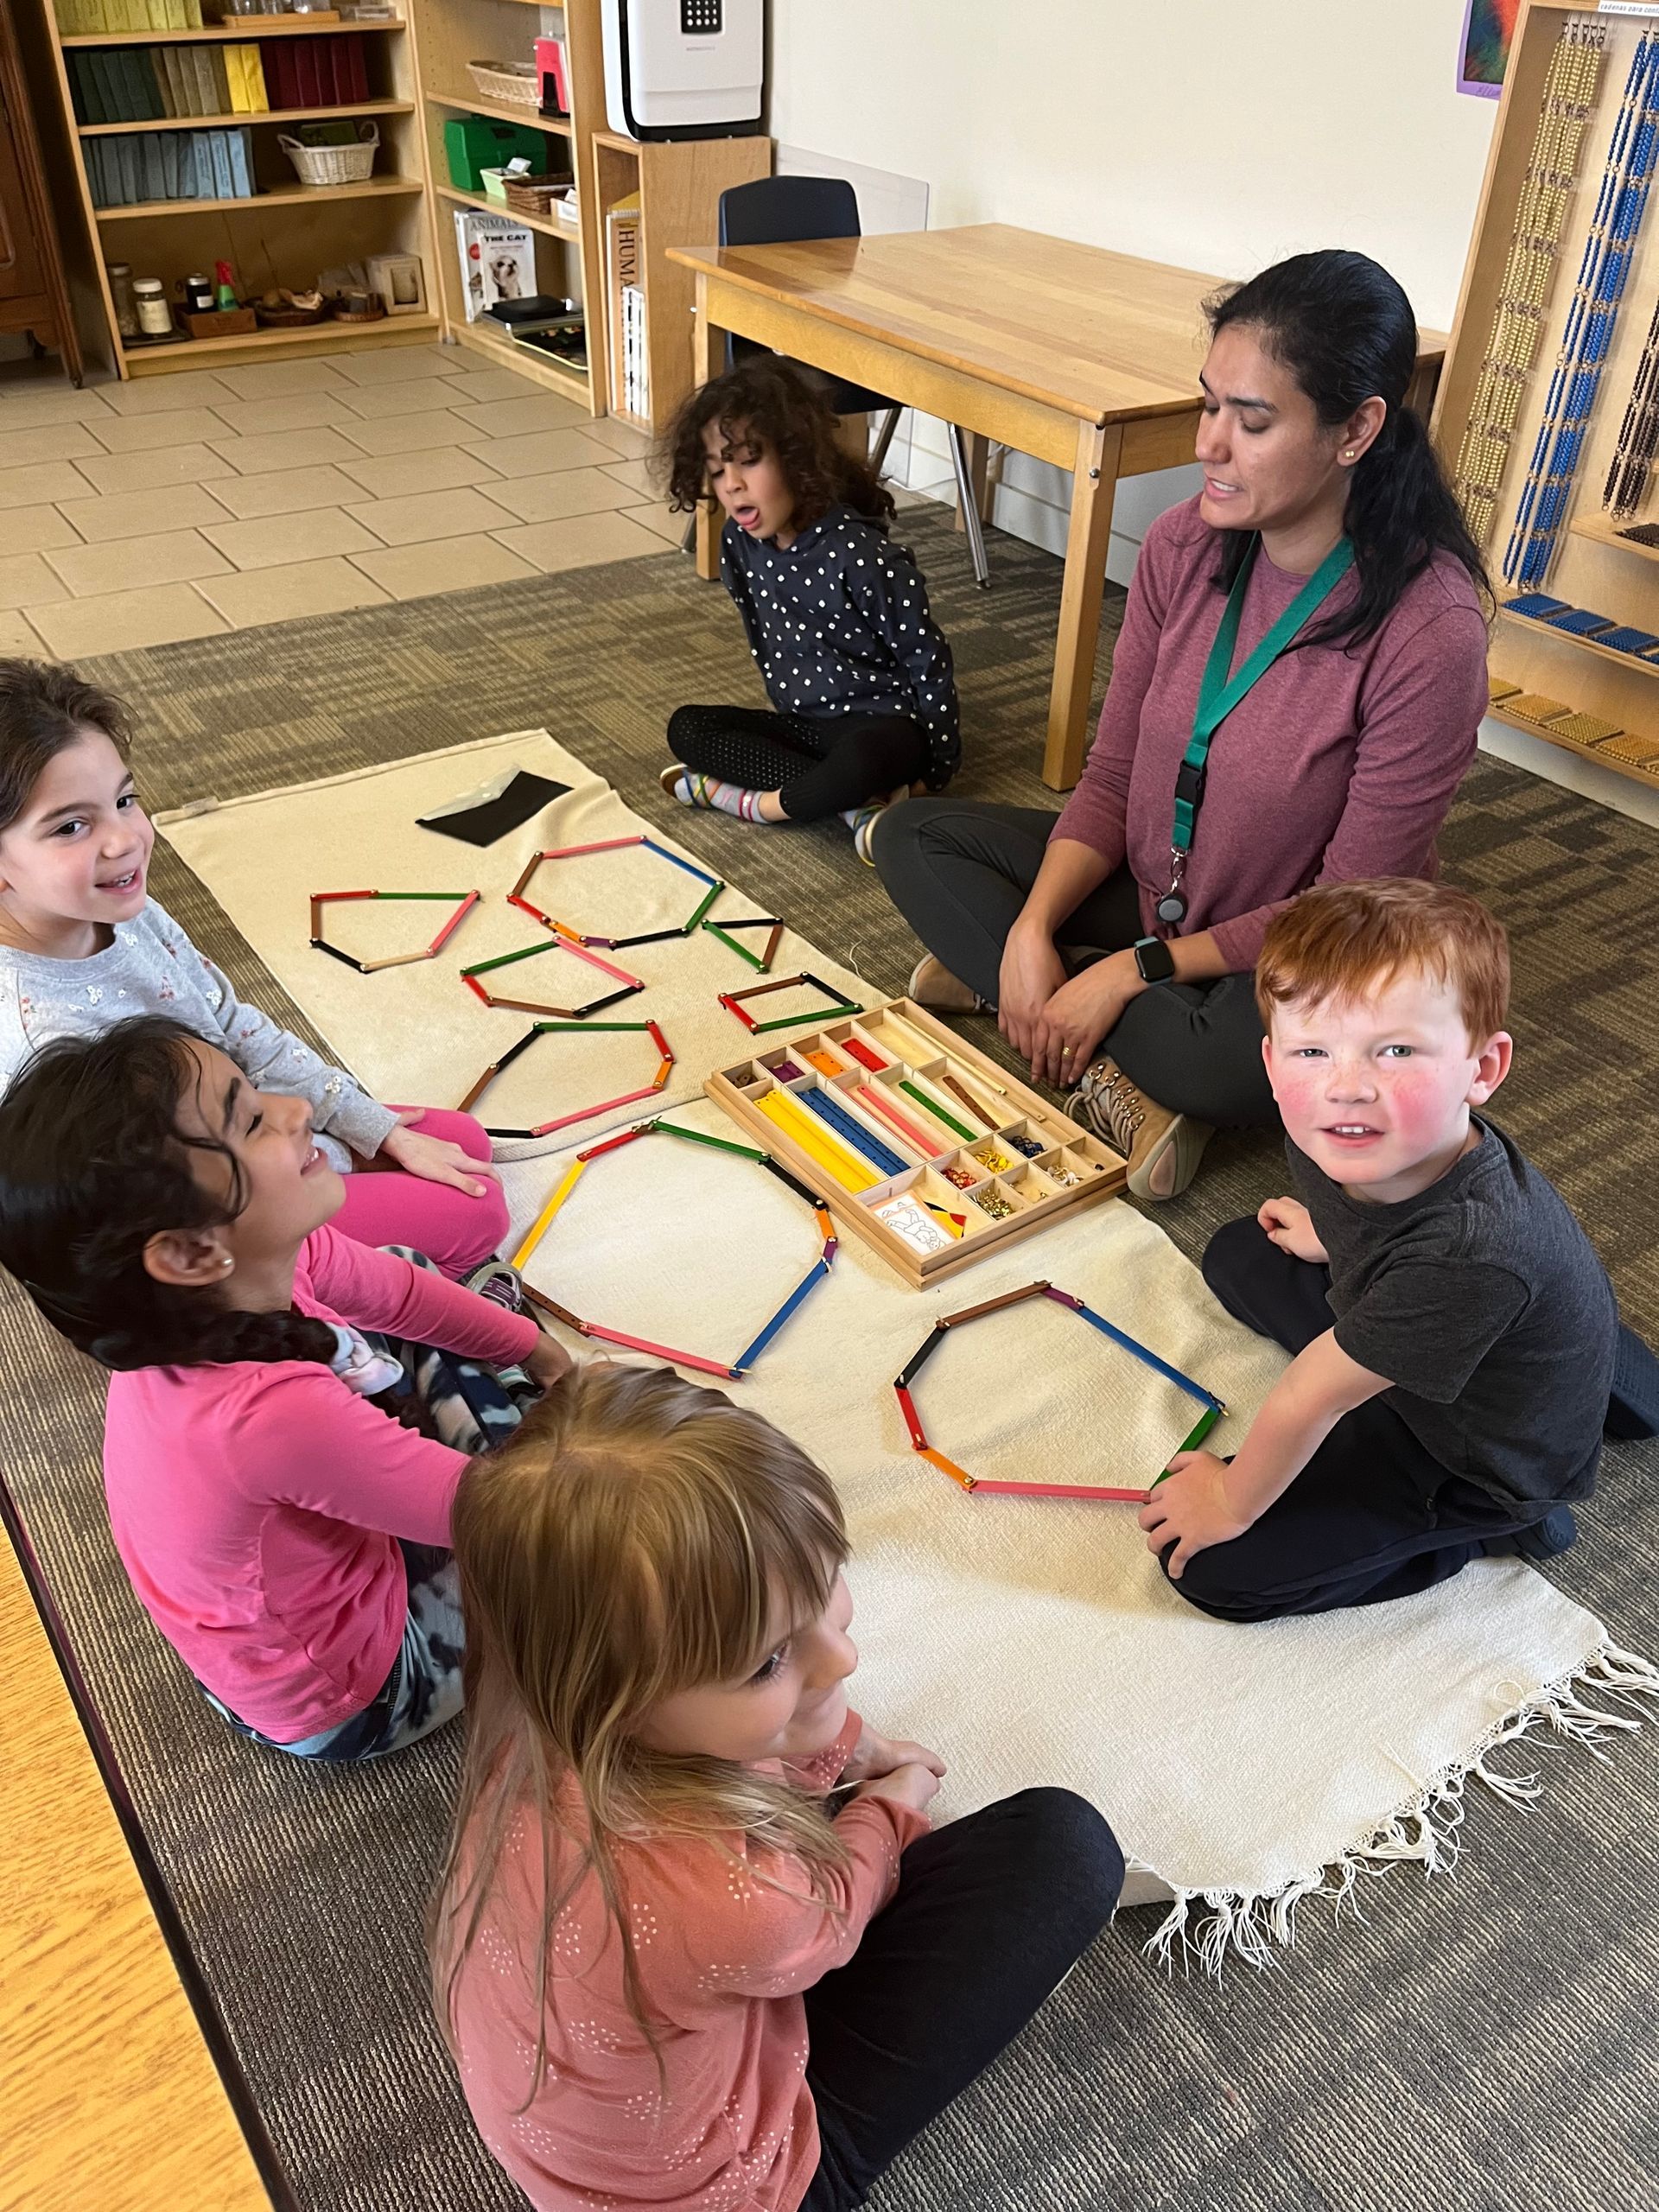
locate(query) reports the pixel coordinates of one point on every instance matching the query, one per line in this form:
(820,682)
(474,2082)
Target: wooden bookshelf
(679,186)
(286,231)
(1592,566)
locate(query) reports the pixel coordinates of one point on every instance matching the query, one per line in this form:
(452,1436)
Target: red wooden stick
(1063,1490)
(661,1351)
(863,1054)
(913,1419)
(476,988)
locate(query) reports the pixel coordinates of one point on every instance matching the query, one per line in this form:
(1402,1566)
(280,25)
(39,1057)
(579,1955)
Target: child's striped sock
(862,820)
(708,791)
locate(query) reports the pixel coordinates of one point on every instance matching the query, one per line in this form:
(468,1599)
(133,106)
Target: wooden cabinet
(34,293)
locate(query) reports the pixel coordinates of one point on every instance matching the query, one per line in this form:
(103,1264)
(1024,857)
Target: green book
(155,60)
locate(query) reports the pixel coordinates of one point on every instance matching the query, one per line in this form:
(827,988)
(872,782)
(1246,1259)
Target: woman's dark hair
(44,709)
(92,1165)
(1344,329)
(784,416)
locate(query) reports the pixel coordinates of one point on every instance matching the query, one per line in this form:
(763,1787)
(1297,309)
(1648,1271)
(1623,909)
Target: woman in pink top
(1116,940)
(694,1946)
(283,1527)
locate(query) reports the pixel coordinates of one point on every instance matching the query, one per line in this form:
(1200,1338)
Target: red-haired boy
(1457,1341)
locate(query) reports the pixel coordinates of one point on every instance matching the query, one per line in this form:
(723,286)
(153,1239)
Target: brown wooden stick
(559,1312)
(480,1088)
(759,990)
(771,944)
(970,1103)
(991,1305)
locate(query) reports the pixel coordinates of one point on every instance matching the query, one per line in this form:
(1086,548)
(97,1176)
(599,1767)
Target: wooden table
(111,2101)
(1083,357)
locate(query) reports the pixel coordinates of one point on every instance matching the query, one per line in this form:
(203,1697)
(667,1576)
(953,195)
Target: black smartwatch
(1154,960)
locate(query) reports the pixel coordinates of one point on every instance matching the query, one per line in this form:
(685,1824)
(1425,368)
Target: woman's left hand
(435,1159)
(1080,1014)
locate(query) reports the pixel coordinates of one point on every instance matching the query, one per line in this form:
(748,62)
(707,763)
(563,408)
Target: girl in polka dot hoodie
(863,695)
(694,1946)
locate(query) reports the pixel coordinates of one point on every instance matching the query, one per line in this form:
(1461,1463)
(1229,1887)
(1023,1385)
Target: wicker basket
(353,309)
(334,164)
(534,196)
(288,317)
(514,84)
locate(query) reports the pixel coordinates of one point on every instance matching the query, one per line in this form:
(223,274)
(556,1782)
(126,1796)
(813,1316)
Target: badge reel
(1171,907)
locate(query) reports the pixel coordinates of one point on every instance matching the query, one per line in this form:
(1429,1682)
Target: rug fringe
(1208,1926)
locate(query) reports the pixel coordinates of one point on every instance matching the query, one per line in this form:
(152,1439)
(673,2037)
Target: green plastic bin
(474,143)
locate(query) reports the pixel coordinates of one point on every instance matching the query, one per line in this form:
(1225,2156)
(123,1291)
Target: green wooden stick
(799,1020)
(505,959)
(542,1027)
(720,1144)
(741,950)
(713,893)
(1206,1421)
(968,1136)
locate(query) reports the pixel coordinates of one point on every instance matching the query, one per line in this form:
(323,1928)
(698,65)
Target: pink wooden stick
(1062,1490)
(452,924)
(867,1095)
(593,960)
(587,1113)
(605,845)
(660,1352)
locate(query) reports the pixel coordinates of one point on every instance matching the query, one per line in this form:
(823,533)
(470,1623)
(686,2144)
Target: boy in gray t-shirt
(1456,1339)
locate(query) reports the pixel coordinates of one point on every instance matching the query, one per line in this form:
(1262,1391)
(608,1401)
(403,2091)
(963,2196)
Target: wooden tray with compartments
(921,1145)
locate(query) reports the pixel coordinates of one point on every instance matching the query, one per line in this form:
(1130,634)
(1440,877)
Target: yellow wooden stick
(544,1221)
(790,1118)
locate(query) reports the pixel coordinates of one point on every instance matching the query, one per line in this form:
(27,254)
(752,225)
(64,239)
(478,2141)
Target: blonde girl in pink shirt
(694,1947)
(290,1410)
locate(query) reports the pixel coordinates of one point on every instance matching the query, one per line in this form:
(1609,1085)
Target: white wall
(1212,134)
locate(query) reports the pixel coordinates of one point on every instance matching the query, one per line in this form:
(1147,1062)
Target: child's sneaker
(1163,1149)
(498,1281)
(864,821)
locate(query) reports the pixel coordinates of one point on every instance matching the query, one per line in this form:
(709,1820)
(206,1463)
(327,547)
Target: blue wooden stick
(1170,1374)
(819,1268)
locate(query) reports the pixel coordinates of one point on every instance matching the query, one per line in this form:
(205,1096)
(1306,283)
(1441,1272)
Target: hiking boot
(932,985)
(1163,1149)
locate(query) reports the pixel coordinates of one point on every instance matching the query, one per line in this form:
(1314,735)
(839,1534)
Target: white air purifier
(685,69)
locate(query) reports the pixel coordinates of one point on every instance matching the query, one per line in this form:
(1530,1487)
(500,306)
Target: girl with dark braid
(283,1442)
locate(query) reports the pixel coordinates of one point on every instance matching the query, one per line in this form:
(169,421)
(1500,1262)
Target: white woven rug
(1029,1641)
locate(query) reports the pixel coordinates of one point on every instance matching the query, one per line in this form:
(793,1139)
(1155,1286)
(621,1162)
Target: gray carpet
(1478,2042)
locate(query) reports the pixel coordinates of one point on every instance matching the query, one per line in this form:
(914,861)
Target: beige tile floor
(177,507)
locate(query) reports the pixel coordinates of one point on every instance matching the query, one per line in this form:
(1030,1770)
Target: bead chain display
(1570,89)
(1591,321)
(1638,435)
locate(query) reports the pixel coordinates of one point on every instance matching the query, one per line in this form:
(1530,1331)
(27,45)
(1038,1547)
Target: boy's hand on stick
(548,1364)
(1290,1226)
(435,1159)
(1192,1510)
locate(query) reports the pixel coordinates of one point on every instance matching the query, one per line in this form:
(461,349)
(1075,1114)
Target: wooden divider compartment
(916,1048)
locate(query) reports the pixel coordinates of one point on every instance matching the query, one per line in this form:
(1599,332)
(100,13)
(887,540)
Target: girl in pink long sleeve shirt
(670,1975)
(286,1534)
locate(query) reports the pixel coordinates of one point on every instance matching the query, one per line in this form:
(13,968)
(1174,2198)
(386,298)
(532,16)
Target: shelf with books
(261,116)
(245,27)
(547,227)
(562,377)
(307,196)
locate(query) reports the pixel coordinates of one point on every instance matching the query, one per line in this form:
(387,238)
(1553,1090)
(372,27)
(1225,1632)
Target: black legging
(818,765)
(991,1913)
(960,871)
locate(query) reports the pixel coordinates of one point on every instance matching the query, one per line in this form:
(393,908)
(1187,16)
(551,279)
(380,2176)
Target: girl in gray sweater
(83,946)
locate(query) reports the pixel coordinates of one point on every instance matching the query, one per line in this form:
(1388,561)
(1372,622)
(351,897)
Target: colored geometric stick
(870,1096)
(701,913)
(690,866)
(853,1132)
(815,1274)
(1190,1442)
(319,900)
(1128,1344)
(972,1104)
(862,1052)
(825,1063)
(585,1113)
(773,1107)
(720,1144)
(731,1001)
(722,930)
(824,1131)
(451,925)
(662,1352)
(774,1167)
(968,1136)
(1213,1407)
(516,896)
(544,1221)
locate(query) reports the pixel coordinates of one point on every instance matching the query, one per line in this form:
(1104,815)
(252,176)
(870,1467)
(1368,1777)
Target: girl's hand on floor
(1290,1226)
(1190,1510)
(1080,1014)
(548,1364)
(435,1159)
(914,1785)
(1030,973)
(874,1755)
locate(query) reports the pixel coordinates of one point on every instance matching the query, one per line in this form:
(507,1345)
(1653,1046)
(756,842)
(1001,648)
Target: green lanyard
(1219,693)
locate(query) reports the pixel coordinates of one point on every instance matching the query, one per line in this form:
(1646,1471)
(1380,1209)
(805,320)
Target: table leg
(1093,486)
(979,459)
(707,343)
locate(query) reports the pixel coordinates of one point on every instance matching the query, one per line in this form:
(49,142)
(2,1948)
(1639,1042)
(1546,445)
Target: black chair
(776,210)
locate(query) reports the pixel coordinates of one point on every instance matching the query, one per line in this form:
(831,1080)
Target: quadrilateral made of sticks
(1213,1408)
(463,902)
(516,896)
(584,1113)
(731,1371)
(620,976)
(834,1011)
